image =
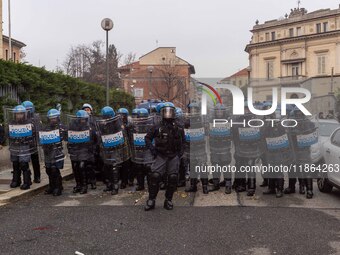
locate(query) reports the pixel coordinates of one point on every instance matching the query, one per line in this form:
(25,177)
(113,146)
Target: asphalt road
(98,223)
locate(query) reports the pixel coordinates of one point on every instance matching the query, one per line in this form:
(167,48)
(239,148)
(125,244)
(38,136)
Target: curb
(18,194)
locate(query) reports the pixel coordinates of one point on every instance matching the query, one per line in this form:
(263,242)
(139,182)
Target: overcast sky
(210,34)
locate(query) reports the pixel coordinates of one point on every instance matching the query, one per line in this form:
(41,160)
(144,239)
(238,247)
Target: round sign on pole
(107,24)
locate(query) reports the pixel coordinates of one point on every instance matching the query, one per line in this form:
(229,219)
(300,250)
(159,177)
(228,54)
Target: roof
(14,42)
(243,72)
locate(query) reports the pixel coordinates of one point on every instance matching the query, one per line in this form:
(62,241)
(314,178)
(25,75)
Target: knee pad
(155,177)
(172,179)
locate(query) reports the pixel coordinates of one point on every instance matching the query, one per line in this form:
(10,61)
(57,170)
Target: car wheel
(324,185)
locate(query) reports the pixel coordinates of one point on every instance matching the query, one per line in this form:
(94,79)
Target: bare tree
(129,58)
(88,62)
(171,86)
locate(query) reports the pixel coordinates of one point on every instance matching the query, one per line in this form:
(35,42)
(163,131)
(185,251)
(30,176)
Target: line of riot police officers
(163,148)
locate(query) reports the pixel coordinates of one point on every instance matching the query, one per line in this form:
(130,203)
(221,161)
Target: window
(14,57)
(295,70)
(325,26)
(291,32)
(322,64)
(273,36)
(298,31)
(318,28)
(267,36)
(6,54)
(270,70)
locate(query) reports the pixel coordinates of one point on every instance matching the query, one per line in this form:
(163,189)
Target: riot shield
(113,140)
(304,136)
(80,138)
(278,146)
(139,153)
(50,139)
(21,133)
(248,141)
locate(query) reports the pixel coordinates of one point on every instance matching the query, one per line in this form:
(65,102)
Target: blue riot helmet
(194,108)
(143,113)
(134,113)
(123,111)
(153,109)
(108,112)
(179,112)
(82,114)
(158,107)
(19,113)
(168,111)
(29,106)
(53,115)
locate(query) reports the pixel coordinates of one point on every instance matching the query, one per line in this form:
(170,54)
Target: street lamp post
(150,69)
(107,25)
(9,31)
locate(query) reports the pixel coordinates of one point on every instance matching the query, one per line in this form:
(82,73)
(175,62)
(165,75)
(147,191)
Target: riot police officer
(195,153)
(81,141)
(96,161)
(51,136)
(249,148)
(303,136)
(168,138)
(125,167)
(110,169)
(34,156)
(220,146)
(21,146)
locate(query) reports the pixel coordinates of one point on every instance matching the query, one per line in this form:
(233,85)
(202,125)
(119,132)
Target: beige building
(239,78)
(293,50)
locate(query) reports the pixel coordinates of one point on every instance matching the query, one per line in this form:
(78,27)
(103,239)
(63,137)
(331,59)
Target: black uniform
(51,139)
(168,149)
(35,156)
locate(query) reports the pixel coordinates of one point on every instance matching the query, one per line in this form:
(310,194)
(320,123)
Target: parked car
(326,128)
(331,152)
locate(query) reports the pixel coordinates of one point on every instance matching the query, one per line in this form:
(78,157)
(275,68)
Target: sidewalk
(9,195)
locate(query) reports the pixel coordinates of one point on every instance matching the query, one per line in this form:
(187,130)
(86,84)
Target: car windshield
(326,129)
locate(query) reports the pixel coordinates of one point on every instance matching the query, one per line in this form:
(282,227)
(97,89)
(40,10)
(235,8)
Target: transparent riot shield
(248,141)
(305,137)
(114,140)
(51,134)
(140,154)
(80,138)
(21,133)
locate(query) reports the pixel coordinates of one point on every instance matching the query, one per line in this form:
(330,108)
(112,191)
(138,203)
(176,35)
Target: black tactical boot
(77,177)
(279,190)
(251,186)
(309,186)
(83,184)
(216,185)
(58,186)
(264,183)
(271,187)
(193,185)
(115,189)
(205,185)
(16,181)
(302,185)
(27,180)
(227,186)
(150,204)
(168,205)
(51,184)
(291,186)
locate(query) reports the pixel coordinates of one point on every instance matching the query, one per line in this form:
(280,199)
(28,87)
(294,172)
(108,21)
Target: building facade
(1,47)
(294,50)
(159,74)
(16,49)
